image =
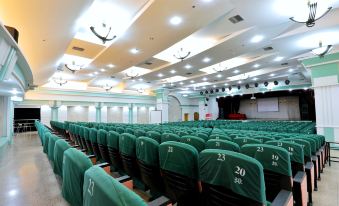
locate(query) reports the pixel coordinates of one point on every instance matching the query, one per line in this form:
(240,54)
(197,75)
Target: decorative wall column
(202,108)
(98,107)
(162,103)
(54,105)
(130,113)
(6,119)
(325,81)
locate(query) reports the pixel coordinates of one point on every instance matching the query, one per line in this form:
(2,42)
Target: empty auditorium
(169,102)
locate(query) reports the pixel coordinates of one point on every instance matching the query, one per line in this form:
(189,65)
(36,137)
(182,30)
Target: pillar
(130,113)
(98,107)
(54,110)
(162,103)
(202,108)
(6,120)
(325,81)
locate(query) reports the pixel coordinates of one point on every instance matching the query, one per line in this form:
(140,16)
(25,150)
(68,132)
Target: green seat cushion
(147,151)
(220,136)
(127,144)
(234,171)
(113,139)
(273,158)
(74,166)
(222,144)
(154,135)
(102,189)
(179,158)
(194,141)
(60,147)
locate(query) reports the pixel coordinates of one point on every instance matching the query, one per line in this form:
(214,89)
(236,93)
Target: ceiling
(222,53)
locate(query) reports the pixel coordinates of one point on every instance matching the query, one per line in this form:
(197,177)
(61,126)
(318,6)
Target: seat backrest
(102,189)
(127,144)
(139,133)
(60,147)
(202,135)
(197,142)
(86,133)
(147,151)
(74,166)
(102,137)
(169,137)
(93,135)
(220,136)
(222,144)
(51,145)
(129,131)
(304,144)
(245,140)
(47,136)
(154,135)
(234,178)
(113,139)
(120,130)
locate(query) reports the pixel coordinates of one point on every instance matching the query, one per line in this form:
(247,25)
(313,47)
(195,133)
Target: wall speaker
(266,84)
(287,82)
(256,84)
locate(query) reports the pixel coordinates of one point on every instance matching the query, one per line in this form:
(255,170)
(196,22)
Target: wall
(179,105)
(78,113)
(288,109)
(174,110)
(143,115)
(115,114)
(46,115)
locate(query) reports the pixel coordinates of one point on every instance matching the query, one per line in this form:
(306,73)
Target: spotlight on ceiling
(312,14)
(201,93)
(256,84)
(287,82)
(276,83)
(321,51)
(206,92)
(216,90)
(230,88)
(223,89)
(103,37)
(239,87)
(266,84)
(247,86)
(211,91)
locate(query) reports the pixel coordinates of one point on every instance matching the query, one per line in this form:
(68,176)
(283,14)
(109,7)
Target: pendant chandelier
(181,54)
(73,67)
(219,68)
(313,14)
(321,51)
(131,74)
(107,87)
(106,33)
(60,81)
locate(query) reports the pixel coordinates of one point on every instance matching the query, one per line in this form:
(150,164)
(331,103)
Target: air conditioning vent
(188,73)
(148,63)
(268,48)
(236,19)
(284,64)
(78,49)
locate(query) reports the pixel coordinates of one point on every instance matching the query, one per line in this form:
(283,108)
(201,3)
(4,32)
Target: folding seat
(154,135)
(87,141)
(263,139)
(76,135)
(60,147)
(120,130)
(82,138)
(102,144)
(129,131)
(169,137)
(222,144)
(47,136)
(139,133)
(99,188)
(93,138)
(74,166)
(219,136)
(51,143)
(202,135)
(196,142)
(179,169)
(298,170)
(113,150)
(246,140)
(230,178)
(147,152)
(277,167)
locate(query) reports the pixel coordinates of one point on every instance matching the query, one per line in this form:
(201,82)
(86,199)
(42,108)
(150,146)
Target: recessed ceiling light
(160,75)
(110,65)
(214,86)
(181,83)
(140,79)
(206,60)
(256,65)
(204,87)
(175,20)
(204,79)
(102,70)
(255,79)
(236,71)
(290,70)
(187,66)
(257,38)
(134,51)
(173,71)
(90,74)
(239,82)
(185,95)
(226,84)
(96,73)
(272,75)
(192,81)
(219,75)
(278,59)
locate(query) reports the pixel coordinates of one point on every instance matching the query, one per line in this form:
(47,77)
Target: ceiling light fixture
(236,71)
(73,67)
(131,74)
(256,65)
(321,51)
(219,75)
(102,70)
(187,66)
(104,29)
(176,20)
(220,68)
(278,58)
(141,90)
(257,38)
(110,66)
(60,81)
(206,60)
(134,51)
(173,71)
(204,79)
(107,87)
(160,75)
(312,14)
(181,54)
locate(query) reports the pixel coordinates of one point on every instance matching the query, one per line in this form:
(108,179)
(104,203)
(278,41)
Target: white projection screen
(268,104)
(156,117)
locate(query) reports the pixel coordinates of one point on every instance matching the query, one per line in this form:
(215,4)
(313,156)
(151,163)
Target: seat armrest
(299,177)
(300,194)
(309,165)
(105,166)
(161,201)
(124,178)
(284,198)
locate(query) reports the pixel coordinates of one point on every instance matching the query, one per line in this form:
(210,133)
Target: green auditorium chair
(147,152)
(100,189)
(120,130)
(113,150)
(263,139)
(219,136)
(93,138)
(76,135)
(169,137)
(82,138)
(129,131)
(87,141)
(245,140)
(47,136)
(51,143)
(230,178)
(139,133)
(298,170)
(197,142)
(60,147)
(222,144)
(202,135)
(180,173)
(102,144)
(277,168)
(154,135)
(74,166)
